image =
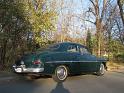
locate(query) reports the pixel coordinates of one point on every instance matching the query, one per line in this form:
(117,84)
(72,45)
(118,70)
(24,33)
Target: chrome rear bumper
(23,69)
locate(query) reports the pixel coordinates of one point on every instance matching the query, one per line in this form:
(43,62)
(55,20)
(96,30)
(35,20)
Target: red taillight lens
(37,62)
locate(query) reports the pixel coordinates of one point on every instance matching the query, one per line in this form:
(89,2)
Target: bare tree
(120,4)
(98,13)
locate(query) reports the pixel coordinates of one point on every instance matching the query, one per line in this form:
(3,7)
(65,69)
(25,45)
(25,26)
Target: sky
(76,24)
(77,9)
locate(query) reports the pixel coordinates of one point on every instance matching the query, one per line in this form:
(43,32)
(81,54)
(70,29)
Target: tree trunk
(98,28)
(98,37)
(3,54)
(121,10)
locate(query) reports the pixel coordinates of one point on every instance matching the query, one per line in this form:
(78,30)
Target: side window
(83,50)
(73,48)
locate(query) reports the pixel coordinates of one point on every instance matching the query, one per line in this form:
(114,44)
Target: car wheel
(60,74)
(101,70)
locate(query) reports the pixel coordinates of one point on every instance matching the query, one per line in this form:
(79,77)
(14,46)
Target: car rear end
(29,64)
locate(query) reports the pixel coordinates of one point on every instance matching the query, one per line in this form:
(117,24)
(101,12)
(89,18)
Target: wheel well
(68,68)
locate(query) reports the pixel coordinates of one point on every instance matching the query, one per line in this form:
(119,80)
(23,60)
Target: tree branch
(85,19)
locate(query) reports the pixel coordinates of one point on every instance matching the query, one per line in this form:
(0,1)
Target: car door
(72,52)
(88,62)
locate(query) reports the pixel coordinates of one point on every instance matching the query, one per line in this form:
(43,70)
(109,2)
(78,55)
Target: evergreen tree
(89,41)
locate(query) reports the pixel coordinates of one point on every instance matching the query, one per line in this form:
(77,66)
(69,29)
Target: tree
(23,23)
(89,41)
(121,4)
(42,19)
(98,13)
(13,27)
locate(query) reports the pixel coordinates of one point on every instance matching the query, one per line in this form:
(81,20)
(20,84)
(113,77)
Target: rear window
(54,47)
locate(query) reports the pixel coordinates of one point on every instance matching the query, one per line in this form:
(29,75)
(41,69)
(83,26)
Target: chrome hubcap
(61,73)
(102,69)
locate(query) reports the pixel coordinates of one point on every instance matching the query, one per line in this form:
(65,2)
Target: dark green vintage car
(60,60)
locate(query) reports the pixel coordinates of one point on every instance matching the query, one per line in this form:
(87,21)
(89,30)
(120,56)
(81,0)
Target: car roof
(63,46)
(69,43)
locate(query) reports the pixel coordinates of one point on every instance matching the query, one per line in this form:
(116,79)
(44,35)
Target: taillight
(37,62)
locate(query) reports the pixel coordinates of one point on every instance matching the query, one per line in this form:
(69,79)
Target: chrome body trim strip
(69,61)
